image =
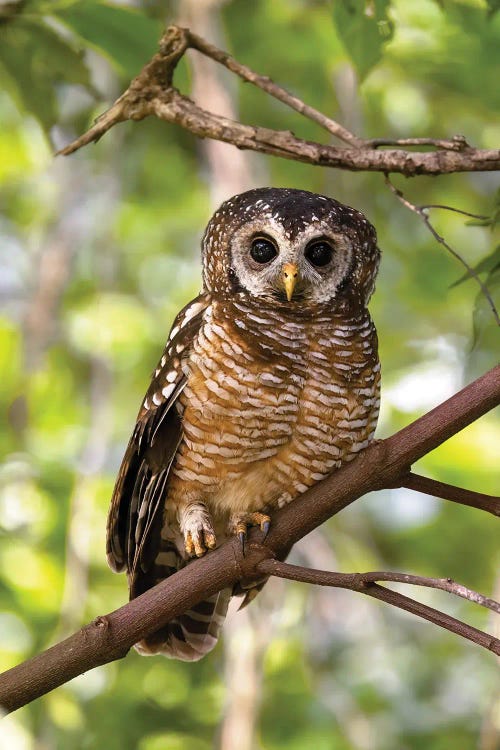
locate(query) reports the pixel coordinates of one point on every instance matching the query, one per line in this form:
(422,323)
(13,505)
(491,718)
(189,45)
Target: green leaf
(126,37)
(487,265)
(364,27)
(493,7)
(33,58)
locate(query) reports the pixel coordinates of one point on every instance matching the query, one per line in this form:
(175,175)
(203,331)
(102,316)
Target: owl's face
(290,247)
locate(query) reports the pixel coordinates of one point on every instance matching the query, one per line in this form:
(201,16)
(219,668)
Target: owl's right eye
(263,250)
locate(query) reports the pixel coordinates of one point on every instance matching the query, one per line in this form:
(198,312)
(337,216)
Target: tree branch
(152,93)
(360,581)
(267,85)
(365,584)
(383,464)
(489,503)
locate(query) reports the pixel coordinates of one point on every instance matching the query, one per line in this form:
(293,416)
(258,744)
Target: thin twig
(420,211)
(425,206)
(267,85)
(443,584)
(457,143)
(489,503)
(364,583)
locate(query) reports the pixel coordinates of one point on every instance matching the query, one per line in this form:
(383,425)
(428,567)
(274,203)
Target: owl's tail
(191,635)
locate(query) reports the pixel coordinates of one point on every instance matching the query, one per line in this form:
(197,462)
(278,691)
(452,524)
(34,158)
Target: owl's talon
(239,523)
(196,526)
(242,536)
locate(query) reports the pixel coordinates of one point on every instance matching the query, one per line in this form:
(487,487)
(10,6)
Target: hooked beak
(289,276)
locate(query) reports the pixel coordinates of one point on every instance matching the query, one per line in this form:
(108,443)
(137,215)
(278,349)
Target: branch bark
(362,581)
(384,463)
(489,503)
(152,93)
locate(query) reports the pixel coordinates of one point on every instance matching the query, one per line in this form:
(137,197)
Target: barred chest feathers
(274,402)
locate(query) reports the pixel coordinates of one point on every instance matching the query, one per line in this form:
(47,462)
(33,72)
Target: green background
(99,252)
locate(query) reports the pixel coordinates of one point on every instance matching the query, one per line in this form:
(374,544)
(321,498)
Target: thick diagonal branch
(382,464)
(152,93)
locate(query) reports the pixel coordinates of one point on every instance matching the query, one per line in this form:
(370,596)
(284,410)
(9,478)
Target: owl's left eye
(319,253)
(263,250)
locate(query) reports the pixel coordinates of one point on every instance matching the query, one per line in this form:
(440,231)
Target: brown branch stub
(365,583)
(489,503)
(152,92)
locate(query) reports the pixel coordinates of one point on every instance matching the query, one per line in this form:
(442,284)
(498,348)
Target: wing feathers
(137,504)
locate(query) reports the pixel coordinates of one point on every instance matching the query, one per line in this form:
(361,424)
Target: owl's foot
(197,529)
(239,523)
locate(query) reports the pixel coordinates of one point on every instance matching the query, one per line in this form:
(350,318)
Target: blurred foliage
(100,251)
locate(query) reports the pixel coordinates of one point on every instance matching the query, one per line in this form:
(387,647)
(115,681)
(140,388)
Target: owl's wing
(136,510)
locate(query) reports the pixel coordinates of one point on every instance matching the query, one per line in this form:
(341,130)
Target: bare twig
(267,85)
(152,93)
(380,465)
(421,211)
(489,503)
(359,581)
(365,584)
(425,206)
(457,143)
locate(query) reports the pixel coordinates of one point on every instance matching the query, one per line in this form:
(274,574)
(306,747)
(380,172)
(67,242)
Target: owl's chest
(258,384)
(245,380)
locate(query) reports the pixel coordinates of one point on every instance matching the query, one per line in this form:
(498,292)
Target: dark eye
(319,253)
(262,250)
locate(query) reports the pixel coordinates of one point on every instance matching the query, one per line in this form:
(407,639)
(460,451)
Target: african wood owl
(268,382)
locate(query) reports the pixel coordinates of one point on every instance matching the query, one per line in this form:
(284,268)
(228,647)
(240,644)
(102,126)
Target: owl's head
(290,246)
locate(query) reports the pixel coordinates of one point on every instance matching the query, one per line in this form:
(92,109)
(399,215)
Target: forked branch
(365,583)
(384,463)
(152,93)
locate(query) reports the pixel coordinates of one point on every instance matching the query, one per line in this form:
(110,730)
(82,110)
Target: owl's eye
(263,250)
(319,253)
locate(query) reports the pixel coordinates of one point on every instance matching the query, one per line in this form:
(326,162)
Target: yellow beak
(289,276)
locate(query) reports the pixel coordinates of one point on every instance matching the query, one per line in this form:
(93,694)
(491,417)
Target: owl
(269,381)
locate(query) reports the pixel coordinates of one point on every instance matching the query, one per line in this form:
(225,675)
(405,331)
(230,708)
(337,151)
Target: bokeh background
(100,250)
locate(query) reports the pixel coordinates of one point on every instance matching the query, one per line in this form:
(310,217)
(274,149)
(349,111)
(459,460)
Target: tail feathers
(191,635)
(194,633)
